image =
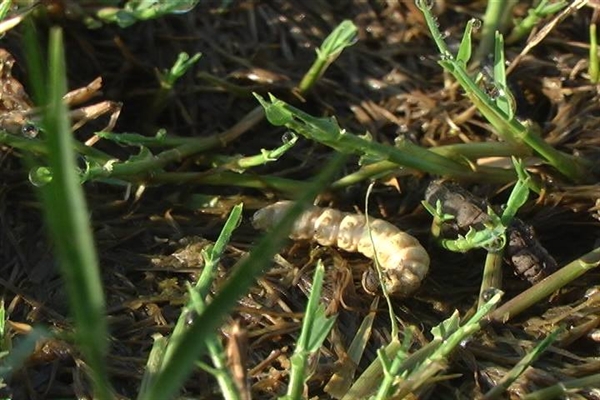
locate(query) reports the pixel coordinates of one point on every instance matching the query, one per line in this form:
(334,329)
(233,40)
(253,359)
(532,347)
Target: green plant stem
(341,37)
(68,220)
(221,372)
(148,166)
(315,328)
(594,68)
(561,389)
(545,288)
(368,382)
(435,362)
(239,282)
(492,276)
(469,151)
(534,16)
(520,367)
(228,178)
(497,14)
(328,132)
(509,129)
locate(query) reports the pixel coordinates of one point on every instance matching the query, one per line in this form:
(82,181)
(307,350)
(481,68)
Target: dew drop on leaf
(488,294)
(288,137)
(40,176)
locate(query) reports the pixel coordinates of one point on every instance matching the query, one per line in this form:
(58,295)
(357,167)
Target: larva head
(268,216)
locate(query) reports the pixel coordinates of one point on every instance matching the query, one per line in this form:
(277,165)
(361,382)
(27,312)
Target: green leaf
(504,100)
(464,51)
(446,327)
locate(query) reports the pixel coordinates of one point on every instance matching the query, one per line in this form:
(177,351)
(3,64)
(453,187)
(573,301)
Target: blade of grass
(509,129)
(68,222)
(594,68)
(497,14)
(328,132)
(542,10)
(344,35)
(192,345)
(448,336)
(341,380)
(520,367)
(545,288)
(315,328)
(561,389)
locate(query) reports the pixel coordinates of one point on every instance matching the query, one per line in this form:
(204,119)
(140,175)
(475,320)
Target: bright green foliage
(344,35)
(497,106)
(141,10)
(315,328)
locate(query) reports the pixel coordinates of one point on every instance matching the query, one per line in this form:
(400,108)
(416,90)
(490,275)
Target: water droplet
(425,4)
(288,137)
(40,176)
(476,24)
(190,317)
(488,294)
(30,131)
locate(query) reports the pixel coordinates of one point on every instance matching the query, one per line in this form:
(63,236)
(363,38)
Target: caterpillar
(404,262)
(523,252)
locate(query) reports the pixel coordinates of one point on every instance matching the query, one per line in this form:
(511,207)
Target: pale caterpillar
(404,262)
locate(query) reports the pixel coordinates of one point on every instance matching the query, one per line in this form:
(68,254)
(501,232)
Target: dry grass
(389,84)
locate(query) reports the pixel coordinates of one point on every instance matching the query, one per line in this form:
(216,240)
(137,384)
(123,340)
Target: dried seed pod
(467,209)
(404,262)
(529,258)
(523,252)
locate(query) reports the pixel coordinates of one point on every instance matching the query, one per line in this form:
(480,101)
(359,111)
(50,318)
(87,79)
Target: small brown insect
(404,262)
(523,252)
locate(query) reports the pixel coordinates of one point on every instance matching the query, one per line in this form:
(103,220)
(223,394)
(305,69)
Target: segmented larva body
(404,262)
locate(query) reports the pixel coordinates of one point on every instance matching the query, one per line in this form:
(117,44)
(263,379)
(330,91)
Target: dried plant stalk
(404,262)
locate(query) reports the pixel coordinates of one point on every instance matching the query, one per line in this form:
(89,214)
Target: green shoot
(519,195)
(191,344)
(154,362)
(492,271)
(492,238)
(594,68)
(328,132)
(68,222)
(520,367)
(344,35)
(534,16)
(340,382)
(391,368)
(503,98)
(167,81)
(403,374)
(447,336)
(564,388)
(141,10)
(545,288)
(6,6)
(506,125)
(195,306)
(182,65)
(497,15)
(315,328)
(240,164)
